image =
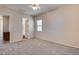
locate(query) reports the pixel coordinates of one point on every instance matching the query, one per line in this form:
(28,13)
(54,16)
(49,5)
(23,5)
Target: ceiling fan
(35,6)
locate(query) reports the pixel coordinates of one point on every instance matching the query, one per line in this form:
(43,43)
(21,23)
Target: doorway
(4,29)
(6,32)
(25,27)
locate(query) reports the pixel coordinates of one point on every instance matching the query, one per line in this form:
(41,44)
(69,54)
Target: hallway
(36,47)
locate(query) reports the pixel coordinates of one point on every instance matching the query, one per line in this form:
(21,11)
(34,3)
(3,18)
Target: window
(39,25)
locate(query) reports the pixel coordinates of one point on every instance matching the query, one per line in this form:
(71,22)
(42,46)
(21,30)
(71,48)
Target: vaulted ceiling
(23,8)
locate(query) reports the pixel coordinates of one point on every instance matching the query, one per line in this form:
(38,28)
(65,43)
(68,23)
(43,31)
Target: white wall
(61,26)
(31,27)
(15,23)
(1,27)
(16,28)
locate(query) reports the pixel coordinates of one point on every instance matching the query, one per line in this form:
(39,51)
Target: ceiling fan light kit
(35,6)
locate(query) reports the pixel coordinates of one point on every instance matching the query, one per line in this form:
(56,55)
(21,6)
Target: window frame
(39,25)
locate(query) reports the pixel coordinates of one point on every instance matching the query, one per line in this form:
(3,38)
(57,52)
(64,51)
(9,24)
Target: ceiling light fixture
(35,6)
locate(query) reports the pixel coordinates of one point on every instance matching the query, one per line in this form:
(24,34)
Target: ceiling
(23,8)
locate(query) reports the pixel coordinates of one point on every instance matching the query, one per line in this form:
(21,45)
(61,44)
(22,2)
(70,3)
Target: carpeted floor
(36,47)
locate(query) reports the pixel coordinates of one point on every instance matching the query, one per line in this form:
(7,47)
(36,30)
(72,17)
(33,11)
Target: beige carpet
(36,47)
